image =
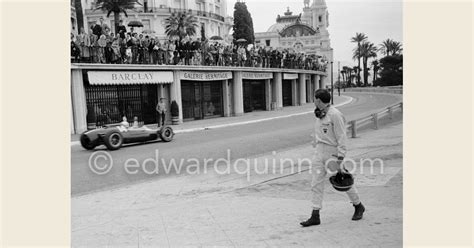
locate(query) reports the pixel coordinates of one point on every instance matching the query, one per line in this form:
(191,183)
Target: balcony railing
(163,56)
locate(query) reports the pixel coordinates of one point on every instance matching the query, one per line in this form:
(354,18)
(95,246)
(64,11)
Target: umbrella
(135,24)
(241,40)
(216,38)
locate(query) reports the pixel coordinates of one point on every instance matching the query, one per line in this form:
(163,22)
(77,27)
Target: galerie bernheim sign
(257,75)
(206,76)
(129,77)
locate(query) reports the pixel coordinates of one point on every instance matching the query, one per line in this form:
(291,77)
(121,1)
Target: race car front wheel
(166,134)
(87,143)
(113,140)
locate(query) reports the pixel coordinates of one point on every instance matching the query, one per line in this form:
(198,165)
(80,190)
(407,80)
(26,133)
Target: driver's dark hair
(323,95)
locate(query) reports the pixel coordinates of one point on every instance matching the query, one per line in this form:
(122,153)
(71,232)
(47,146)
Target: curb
(349,100)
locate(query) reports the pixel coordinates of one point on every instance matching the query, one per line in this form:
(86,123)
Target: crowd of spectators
(102,46)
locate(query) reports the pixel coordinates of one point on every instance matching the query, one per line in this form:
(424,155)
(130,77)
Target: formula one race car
(115,135)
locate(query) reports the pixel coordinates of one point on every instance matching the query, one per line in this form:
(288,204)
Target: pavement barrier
(374,118)
(393,90)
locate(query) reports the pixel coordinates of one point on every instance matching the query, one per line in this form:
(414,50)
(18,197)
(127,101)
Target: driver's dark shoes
(314,220)
(359,211)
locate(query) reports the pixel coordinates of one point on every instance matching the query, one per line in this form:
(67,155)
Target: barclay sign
(132,76)
(129,77)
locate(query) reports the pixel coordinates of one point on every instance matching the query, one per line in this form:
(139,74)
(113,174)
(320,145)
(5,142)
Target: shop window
(107,104)
(201,100)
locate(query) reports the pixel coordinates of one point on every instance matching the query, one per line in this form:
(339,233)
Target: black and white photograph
(219,123)
(236,123)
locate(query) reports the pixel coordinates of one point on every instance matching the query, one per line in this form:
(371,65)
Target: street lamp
(339,78)
(332,85)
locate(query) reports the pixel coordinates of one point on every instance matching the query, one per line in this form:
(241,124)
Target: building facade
(103,93)
(305,32)
(73,19)
(212,14)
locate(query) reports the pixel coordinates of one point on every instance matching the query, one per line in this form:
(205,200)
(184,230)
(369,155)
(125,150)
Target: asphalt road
(242,142)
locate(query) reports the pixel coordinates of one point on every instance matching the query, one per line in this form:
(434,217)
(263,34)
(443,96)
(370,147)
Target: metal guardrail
(390,90)
(374,118)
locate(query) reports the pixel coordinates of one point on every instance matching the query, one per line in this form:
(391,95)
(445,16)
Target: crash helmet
(342,181)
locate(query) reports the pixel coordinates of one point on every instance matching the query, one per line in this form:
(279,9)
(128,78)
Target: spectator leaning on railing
(133,48)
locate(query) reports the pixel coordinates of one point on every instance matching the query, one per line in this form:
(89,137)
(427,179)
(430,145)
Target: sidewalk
(250,210)
(247,118)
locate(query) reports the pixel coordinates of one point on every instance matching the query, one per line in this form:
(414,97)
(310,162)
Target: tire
(87,143)
(166,134)
(113,140)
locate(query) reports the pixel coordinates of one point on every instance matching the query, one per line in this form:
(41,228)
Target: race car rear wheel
(166,134)
(113,140)
(87,143)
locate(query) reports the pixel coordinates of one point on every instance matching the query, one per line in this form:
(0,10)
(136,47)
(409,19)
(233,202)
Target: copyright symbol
(98,167)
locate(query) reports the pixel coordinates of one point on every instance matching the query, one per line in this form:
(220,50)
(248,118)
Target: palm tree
(349,77)
(116,7)
(345,73)
(375,66)
(356,70)
(386,47)
(180,24)
(396,48)
(358,38)
(367,50)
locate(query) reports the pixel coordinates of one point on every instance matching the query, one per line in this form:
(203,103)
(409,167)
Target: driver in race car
(125,122)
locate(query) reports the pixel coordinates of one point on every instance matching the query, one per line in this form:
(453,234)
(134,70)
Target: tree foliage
(391,71)
(375,68)
(390,47)
(358,38)
(181,24)
(116,7)
(243,23)
(367,50)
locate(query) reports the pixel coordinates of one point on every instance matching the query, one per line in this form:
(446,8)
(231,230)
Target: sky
(378,19)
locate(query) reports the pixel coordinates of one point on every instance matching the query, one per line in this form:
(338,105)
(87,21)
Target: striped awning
(129,77)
